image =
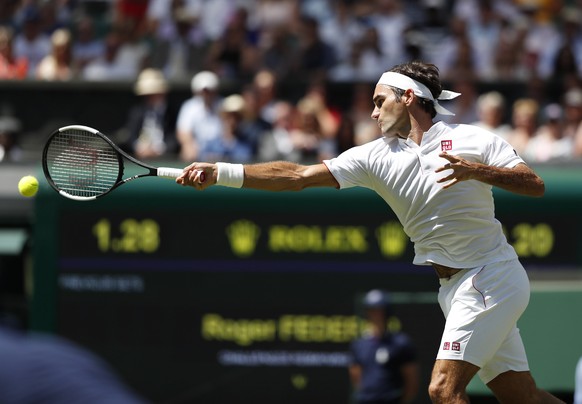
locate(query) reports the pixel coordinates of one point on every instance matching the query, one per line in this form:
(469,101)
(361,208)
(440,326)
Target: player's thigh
(452,375)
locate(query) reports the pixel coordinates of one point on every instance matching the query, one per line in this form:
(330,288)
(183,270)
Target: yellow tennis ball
(28,186)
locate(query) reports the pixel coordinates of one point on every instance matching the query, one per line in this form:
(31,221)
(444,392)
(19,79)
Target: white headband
(403,82)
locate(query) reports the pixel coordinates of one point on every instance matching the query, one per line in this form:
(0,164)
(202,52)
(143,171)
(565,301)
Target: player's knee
(443,391)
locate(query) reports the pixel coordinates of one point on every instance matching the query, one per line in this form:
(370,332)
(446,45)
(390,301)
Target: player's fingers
(443,168)
(191,166)
(447,178)
(450,184)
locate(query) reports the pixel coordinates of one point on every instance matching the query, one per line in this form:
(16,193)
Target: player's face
(392,116)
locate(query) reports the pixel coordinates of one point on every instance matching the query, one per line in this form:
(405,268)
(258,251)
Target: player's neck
(420,123)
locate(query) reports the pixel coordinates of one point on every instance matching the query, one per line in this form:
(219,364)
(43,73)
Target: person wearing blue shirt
(48,369)
(384,367)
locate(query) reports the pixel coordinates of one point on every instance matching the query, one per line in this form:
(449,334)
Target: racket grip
(169,172)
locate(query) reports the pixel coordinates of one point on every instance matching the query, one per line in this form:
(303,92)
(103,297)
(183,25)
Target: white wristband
(230,175)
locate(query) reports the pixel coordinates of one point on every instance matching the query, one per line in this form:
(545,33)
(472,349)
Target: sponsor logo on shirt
(454,346)
(446,145)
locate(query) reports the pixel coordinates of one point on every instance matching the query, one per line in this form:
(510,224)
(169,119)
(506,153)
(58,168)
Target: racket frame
(166,172)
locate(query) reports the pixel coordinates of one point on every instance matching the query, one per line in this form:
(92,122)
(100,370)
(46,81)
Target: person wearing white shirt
(199,123)
(438,179)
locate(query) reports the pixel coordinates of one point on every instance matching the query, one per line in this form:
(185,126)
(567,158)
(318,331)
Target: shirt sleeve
(500,153)
(350,169)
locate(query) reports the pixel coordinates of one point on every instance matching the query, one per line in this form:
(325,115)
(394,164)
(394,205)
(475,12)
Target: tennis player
(437,178)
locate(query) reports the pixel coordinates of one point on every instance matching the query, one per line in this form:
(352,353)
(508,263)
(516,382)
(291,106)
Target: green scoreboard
(243,296)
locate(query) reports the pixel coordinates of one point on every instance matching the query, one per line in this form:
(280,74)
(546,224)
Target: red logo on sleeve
(446,145)
(457,346)
(446,346)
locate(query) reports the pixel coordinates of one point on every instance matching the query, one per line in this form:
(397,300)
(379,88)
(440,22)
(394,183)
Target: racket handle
(169,172)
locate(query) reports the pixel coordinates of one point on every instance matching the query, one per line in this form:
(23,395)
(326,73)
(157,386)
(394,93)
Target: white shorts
(481,307)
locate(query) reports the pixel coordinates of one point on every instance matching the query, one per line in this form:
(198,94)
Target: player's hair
(425,73)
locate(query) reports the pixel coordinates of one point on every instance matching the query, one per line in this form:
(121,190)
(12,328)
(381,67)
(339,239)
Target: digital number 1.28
(129,236)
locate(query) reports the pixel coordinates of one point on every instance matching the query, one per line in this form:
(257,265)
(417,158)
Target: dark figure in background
(384,368)
(151,125)
(51,370)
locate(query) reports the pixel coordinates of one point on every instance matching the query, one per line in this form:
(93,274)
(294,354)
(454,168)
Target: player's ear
(408,97)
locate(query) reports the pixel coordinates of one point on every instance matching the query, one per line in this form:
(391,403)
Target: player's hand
(462,170)
(198,175)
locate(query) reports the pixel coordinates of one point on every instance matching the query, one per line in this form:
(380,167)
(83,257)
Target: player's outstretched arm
(520,179)
(273,176)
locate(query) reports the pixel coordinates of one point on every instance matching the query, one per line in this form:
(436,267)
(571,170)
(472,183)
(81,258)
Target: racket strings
(82,164)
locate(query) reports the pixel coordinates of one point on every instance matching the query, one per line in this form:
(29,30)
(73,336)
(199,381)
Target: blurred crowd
(260,44)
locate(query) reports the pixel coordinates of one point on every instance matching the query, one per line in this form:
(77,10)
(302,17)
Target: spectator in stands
(265,89)
(314,57)
(457,58)
(108,66)
(57,66)
(278,50)
(11,67)
(238,140)
(134,51)
(548,143)
(31,43)
(179,47)
(38,368)
(275,13)
(151,125)
(524,121)
(432,32)
(7,11)
(465,107)
(346,134)
(214,17)
(542,40)
(391,22)
(365,128)
(366,60)
(490,110)
(309,136)
(484,35)
(469,11)
(328,116)
(342,30)
(509,53)
(384,365)
(55,14)
(199,122)
(133,11)
(572,104)
(277,144)
(10,128)
(235,54)
(572,37)
(86,45)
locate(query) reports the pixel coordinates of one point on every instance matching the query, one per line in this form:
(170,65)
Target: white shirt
(204,124)
(455,227)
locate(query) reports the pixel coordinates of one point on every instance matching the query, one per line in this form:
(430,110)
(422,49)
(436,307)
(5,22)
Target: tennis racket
(83,164)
